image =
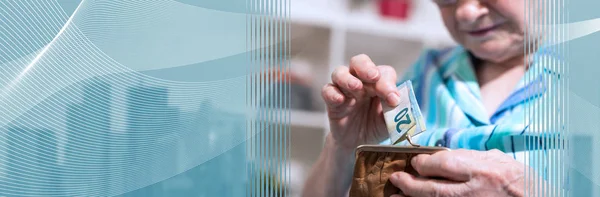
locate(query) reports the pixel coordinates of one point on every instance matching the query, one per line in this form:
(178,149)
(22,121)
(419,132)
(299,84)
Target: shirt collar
(459,74)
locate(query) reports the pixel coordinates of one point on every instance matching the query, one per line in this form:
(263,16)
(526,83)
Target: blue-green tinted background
(129,98)
(568,114)
(584,99)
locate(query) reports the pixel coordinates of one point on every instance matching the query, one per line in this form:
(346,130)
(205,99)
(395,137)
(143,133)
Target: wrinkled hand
(354,102)
(464,173)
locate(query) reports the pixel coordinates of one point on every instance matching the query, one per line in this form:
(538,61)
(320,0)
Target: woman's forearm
(331,175)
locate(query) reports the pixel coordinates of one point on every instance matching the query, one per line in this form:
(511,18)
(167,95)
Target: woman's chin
(491,51)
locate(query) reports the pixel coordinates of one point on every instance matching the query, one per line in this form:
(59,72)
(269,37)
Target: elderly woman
(472,96)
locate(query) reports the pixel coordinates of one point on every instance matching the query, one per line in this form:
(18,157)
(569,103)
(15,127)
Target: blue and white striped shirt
(448,94)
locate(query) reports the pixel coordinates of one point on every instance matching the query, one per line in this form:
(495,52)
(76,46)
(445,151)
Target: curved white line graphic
(37,58)
(575,30)
(43,51)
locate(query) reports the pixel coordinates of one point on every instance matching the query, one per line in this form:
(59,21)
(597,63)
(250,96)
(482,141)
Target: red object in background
(398,9)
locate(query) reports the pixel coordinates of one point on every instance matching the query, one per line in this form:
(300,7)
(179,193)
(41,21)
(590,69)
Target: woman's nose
(468,11)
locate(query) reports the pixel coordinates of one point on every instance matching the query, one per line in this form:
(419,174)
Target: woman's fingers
(420,186)
(363,79)
(347,83)
(332,95)
(386,88)
(364,68)
(376,80)
(446,164)
(338,104)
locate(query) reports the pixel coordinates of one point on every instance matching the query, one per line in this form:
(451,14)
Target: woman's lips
(482,32)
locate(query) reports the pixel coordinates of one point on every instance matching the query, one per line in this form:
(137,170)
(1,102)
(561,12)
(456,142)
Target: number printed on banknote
(405,119)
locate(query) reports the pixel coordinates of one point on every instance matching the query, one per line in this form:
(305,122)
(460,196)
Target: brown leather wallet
(375,163)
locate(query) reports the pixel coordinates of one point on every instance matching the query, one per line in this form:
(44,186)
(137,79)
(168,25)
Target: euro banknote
(404,120)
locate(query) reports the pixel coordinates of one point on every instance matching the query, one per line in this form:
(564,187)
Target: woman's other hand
(463,173)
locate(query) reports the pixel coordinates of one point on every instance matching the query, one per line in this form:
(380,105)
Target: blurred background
(157,110)
(326,34)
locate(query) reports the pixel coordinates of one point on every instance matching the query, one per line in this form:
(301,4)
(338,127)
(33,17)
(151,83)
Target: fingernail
(393,99)
(413,161)
(354,84)
(395,176)
(339,99)
(372,74)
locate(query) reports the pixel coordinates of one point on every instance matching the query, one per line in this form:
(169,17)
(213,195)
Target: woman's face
(492,30)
